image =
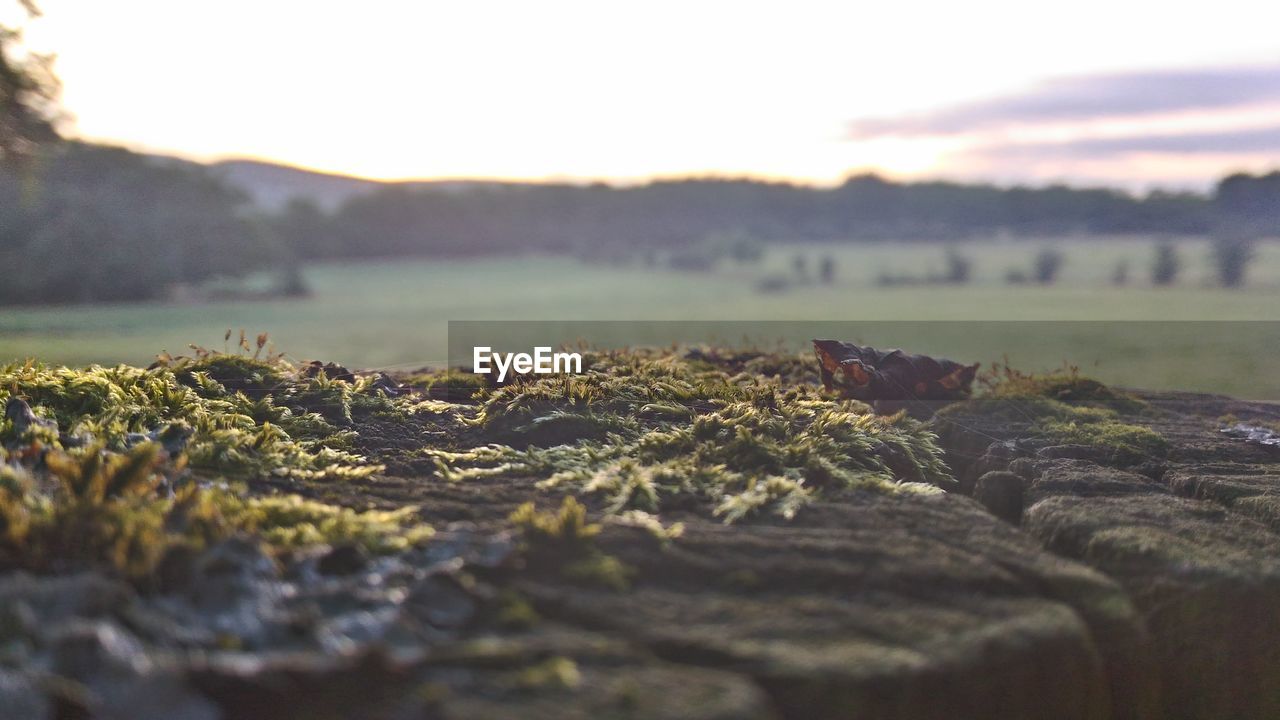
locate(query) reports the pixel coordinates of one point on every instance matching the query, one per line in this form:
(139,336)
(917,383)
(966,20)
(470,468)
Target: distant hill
(272,186)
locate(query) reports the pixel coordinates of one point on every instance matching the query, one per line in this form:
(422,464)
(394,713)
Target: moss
(601,569)
(1117,545)
(93,509)
(567,528)
(563,542)
(644,430)
(452,385)
(554,673)
(1130,442)
(1065,386)
(96,508)
(231,372)
(276,422)
(514,612)
(120,463)
(1024,408)
(1064,408)
(1230,420)
(650,523)
(290,521)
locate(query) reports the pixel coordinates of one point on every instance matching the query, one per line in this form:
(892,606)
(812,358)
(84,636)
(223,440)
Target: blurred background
(350,178)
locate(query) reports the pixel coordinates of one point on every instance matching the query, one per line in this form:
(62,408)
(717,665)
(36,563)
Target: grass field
(394,314)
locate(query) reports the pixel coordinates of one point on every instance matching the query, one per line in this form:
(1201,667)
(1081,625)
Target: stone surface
(876,606)
(1196,550)
(1070,585)
(1001,493)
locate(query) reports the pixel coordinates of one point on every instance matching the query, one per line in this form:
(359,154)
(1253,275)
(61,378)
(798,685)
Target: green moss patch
(247,418)
(1066,386)
(648,431)
(563,542)
(1066,408)
(93,508)
(111,467)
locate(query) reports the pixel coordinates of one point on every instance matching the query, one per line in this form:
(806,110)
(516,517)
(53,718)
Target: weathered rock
(1146,592)
(55,599)
(1001,492)
(876,606)
(343,560)
(1197,552)
(21,698)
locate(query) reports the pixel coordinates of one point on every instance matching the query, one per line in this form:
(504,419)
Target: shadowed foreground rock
(1196,550)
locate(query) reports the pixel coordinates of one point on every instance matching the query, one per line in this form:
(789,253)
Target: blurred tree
(305,229)
(800,266)
(959,267)
(1048,263)
(1248,206)
(108,224)
(827,269)
(1120,275)
(28,95)
(1231,258)
(1166,264)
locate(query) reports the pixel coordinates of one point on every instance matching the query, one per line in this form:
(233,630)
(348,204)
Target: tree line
(83,223)
(86,223)
(600,221)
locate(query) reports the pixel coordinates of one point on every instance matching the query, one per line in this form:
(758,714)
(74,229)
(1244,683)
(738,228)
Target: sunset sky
(1133,94)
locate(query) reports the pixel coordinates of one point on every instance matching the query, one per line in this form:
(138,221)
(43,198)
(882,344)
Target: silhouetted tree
(959,267)
(106,224)
(305,229)
(800,266)
(1166,264)
(1015,276)
(1231,257)
(28,94)
(1048,263)
(1120,275)
(827,269)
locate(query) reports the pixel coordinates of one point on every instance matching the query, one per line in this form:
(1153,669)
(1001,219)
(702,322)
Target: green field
(394,314)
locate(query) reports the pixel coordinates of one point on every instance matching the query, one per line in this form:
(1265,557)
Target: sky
(1134,94)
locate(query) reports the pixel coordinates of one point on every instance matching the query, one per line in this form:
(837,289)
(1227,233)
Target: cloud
(1218,142)
(1089,98)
